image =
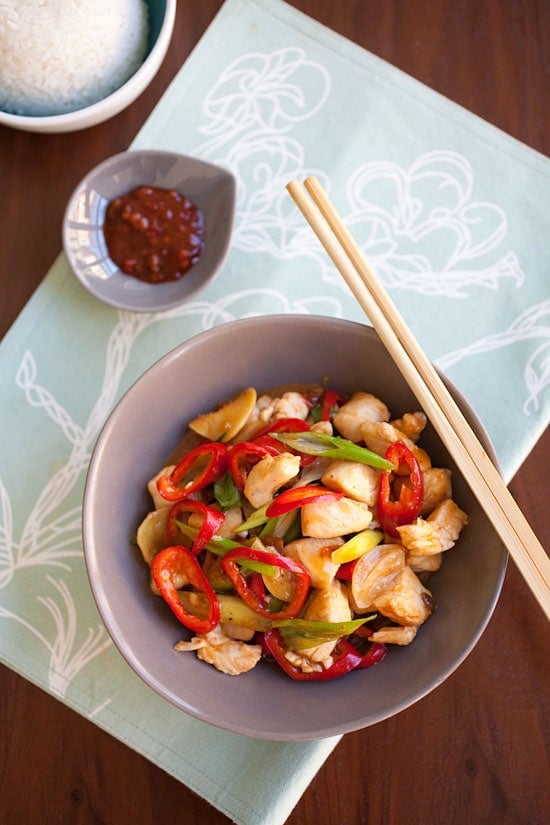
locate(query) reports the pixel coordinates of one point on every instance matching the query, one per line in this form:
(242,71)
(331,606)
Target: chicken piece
(361,407)
(326,519)
(187,645)
(233,518)
(374,573)
(355,480)
(407,602)
(228,655)
(300,660)
(420,538)
(268,475)
(151,534)
(378,435)
(237,632)
(437,487)
(261,413)
(158,500)
(435,534)
(429,563)
(308,475)
(327,605)
(324,427)
(314,554)
(394,635)
(449,519)
(263,410)
(291,405)
(411,424)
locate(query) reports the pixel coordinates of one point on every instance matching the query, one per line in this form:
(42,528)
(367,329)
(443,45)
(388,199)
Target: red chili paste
(154,234)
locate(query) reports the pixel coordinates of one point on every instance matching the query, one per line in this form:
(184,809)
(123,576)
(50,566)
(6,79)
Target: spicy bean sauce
(154,234)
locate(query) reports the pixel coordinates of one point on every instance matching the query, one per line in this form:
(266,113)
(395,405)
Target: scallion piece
(332,446)
(357,546)
(301,633)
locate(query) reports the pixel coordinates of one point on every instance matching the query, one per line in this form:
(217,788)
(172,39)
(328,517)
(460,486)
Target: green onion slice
(301,633)
(332,446)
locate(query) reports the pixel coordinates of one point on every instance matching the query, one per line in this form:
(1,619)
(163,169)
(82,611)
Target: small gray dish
(211,188)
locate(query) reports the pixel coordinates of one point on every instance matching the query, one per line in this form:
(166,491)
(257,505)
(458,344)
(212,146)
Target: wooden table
(476,749)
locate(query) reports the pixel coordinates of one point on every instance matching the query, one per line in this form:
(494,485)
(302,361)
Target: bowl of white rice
(65,66)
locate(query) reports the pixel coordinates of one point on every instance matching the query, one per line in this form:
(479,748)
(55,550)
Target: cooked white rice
(57,56)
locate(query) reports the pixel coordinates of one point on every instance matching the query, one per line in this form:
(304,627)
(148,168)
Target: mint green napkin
(451,213)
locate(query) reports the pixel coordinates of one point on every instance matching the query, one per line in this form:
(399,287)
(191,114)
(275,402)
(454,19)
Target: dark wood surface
(476,749)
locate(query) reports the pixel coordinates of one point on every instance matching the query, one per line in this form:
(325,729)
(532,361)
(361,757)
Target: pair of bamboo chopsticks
(453,429)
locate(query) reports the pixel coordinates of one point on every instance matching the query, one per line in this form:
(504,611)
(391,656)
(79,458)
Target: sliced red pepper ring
(298,497)
(212,520)
(346,658)
(376,651)
(282,425)
(258,588)
(178,561)
(201,466)
(247,453)
(250,595)
(269,443)
(393,513)
(345,571)
(331,399)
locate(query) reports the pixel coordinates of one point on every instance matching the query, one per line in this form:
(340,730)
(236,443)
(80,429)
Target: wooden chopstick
(477,468)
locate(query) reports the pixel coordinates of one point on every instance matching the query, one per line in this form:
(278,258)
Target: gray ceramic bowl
(267,351)
(162,14)
(210,187)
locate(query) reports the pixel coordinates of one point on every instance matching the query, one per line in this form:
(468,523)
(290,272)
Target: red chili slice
(376,651)
(283,425)
(180,561)
(347,658)
(247,453)
(201,466)
(345,571)
(212,520)
(331,399)
(251,596)
(393,513)
(298,497)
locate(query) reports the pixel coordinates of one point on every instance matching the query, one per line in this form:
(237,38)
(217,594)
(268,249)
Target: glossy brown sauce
(154,234)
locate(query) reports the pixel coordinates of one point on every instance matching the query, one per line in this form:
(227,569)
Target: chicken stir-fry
(302,526)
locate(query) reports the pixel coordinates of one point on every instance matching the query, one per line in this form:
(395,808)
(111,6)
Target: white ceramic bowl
(162,14)
(138,437)
(210,187)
